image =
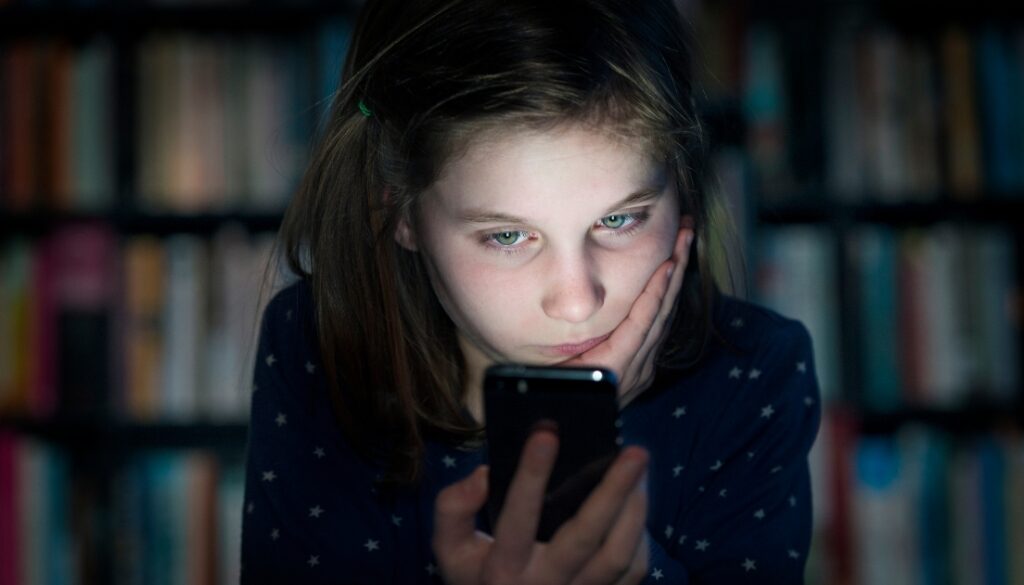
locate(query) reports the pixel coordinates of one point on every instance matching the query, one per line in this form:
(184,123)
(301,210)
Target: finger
(618,559)
(516,529)
(619,350)
(641,562)
(641,368)
(455,510)
(576,541)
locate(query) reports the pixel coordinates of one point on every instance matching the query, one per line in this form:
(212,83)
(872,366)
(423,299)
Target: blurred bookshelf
(880,167)
(147,151)
(869,153)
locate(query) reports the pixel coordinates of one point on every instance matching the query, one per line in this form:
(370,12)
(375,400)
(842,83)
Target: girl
(517,181)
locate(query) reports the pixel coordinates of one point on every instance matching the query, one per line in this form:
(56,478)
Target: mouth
(571,349)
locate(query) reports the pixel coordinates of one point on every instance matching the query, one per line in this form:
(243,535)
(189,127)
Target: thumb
(455,512)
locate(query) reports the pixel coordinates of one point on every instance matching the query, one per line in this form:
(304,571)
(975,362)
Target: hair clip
(365,110)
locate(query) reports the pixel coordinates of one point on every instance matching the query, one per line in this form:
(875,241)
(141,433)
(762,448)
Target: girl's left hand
(632,346)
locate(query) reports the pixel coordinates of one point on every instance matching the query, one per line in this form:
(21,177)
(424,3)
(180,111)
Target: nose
(574,292)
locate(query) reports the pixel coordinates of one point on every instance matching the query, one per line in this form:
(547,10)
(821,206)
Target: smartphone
(579,404)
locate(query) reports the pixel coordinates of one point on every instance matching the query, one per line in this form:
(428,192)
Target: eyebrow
(487,216)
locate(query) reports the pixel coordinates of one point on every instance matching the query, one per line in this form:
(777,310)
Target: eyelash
(639,218)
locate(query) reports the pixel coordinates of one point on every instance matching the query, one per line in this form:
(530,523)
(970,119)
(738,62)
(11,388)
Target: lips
(576,348)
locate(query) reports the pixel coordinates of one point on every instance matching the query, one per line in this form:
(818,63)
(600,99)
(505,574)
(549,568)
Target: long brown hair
(423,79)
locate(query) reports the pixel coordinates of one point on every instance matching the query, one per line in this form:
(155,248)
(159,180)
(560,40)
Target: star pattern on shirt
(793,554)
(449,461)
(723,492)
(716,466)
(702,545)
(431,569)
(396,520)
(315,511)
(759,514)
(767,411)
(269,475)
(249,508)
(677,470)
(679,411)
(271,359)
(754,374)
(371,545)
(735,373)
(275,534)
(314,560)
(749,565)
(657,575)
(281,419)
(801,367)
(668,531)
(319,452)
(310,368)
(737,323)
(792,501)
(808,400)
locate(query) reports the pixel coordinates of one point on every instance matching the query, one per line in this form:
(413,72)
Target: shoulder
(746,327)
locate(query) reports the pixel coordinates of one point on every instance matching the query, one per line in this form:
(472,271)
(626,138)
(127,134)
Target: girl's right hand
(605,542)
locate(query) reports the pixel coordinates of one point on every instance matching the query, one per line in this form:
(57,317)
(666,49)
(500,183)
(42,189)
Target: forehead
(497,166)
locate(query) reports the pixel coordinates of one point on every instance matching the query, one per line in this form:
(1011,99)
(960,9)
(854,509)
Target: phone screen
(579,404)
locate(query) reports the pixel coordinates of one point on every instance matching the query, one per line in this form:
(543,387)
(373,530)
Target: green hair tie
(365,110)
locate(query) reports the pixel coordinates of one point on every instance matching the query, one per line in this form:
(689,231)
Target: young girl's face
(537,244)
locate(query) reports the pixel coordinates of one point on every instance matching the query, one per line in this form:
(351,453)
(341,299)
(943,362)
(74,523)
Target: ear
(404,234)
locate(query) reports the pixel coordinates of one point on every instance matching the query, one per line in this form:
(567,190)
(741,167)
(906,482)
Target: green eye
(614,221)
(506,238)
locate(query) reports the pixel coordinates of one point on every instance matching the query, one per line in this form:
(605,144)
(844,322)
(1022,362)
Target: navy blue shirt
(729,485)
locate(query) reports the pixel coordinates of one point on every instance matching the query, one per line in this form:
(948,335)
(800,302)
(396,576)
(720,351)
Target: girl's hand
(605,542)
(632,346)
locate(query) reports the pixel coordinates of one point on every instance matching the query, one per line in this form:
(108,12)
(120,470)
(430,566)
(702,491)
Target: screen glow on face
(535,240)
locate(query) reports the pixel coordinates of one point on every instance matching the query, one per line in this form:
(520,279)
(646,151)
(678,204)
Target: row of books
(935,321)
(221,123)
(175,517)
(139,327)
(919,506)
(903,117)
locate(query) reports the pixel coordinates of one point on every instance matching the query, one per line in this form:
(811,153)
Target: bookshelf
(802,219)
(877,163)
(148,151)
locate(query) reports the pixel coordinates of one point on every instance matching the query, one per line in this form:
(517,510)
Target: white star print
(618,423)
(759,514)
(668,531)
(255,387)
(310,367)
(735,372)
(288,315)
(396,520)
(250,508)
(722,492)
(767,411)
(808,400)
(755,374)
(431,569)
(281,419)
(449,461)
(737,323)
(271,359)
(275,534)
(717,465)
(750,454)
(315,511)
(656,573)
(680,411)
(701,488)
(801,367)
(682,539)
(702,545)
(749,565)
(371,545)
(319,452)
(677,470)
(776,469)
(793,554)
(269,476)
(313,561)
(792,501)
